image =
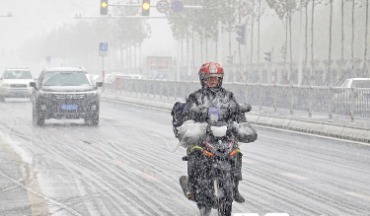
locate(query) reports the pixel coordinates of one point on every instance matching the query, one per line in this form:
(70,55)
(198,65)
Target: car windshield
(361,84)
(72,78)
(17,74)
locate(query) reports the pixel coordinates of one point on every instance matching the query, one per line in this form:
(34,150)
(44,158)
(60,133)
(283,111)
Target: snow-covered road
(130,165)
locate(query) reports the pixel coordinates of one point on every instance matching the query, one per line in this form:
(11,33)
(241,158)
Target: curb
(313,127)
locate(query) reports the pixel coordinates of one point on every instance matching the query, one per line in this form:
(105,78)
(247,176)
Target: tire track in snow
(58,152)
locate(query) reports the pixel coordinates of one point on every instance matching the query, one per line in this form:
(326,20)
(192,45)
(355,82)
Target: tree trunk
(312,43)
(329,75)
(365,72)
(353,38)
(342,32)
(206,44)
(216,43)
(258,41)
(121,57)
(182,51)
(306,44)
(192,48)
(286,75)
(252,27)
(290,44)
(229,30)
(201,46)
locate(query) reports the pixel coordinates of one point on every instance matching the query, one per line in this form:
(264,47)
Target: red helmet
(211,69)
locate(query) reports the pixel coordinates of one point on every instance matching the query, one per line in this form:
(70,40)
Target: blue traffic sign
(103,47)
(177,6)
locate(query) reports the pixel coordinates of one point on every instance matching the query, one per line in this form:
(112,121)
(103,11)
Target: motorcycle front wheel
(224,199)
(205,211)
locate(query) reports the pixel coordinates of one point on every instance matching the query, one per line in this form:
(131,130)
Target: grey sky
(38,17)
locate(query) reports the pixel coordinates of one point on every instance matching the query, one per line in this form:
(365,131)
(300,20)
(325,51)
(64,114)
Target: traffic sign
(103,47)
(48,59)
(177,6)
(163,6)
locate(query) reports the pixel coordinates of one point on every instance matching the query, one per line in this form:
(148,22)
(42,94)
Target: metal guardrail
(311,100)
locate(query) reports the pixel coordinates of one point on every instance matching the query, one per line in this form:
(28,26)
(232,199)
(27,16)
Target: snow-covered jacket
(191,124)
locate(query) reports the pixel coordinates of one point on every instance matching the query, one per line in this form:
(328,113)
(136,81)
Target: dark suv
(65,92)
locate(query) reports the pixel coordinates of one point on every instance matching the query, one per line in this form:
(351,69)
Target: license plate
(69,107)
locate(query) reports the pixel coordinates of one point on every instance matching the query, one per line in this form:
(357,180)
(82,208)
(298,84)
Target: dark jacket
(196,108)
(197,104)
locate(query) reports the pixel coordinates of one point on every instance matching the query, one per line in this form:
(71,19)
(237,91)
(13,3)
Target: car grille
(68,105)
(68,96)
(18,85)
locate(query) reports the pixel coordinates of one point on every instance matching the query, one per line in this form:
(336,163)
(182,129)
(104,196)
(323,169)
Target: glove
(190,133)
(246,132)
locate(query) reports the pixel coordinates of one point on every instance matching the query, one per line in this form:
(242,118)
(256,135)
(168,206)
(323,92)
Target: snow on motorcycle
(216,155)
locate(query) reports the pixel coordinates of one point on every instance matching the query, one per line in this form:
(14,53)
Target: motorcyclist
(195,110)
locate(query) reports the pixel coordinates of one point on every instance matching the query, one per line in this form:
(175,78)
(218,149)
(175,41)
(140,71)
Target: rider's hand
(232,128)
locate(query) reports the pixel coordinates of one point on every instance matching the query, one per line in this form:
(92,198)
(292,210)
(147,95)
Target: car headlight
(5,85)
(94,107)
(92,96)
(42,95)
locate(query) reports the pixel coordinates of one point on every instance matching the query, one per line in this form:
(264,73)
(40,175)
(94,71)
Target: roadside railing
(306,100)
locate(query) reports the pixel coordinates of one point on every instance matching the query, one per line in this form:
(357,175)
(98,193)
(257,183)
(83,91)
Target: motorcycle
(217,156)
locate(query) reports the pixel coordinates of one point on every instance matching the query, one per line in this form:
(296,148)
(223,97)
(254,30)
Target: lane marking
(358,195)
(36,199)
(257,214)
(293,176)
(247,161)
(39,203)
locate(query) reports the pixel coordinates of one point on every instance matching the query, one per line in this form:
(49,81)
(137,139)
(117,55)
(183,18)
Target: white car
(353,96)
(356,83)
(15,83)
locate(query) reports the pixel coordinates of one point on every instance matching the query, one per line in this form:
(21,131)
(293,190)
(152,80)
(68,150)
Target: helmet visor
(213,75)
